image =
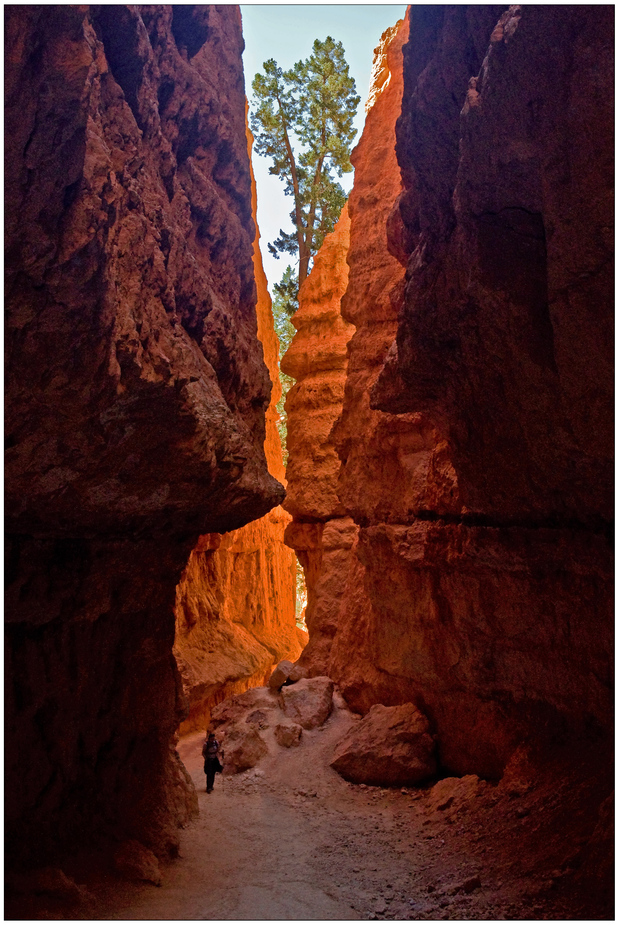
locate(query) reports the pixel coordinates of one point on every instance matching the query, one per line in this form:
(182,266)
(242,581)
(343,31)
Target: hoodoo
(135,398)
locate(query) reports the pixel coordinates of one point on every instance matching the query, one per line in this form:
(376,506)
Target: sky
(287,33)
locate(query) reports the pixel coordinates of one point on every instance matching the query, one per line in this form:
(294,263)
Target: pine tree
(285,304)
(312,105)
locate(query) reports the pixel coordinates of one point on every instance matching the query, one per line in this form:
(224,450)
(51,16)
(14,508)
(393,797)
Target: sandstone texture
(464,572)
(454,795)
(235,603)
(243,747)
(503,341)
(316,358)
(238,708)
(308,702)
(369,452)
(379,451)
(246,723)
(390,746)
(288,735)
(280,675)
(135,398)
(505,328)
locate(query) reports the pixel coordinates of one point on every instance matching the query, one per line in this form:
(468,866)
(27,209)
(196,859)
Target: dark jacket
(210,753)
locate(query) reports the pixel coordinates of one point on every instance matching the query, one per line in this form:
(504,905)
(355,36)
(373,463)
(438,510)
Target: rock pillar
(135,398)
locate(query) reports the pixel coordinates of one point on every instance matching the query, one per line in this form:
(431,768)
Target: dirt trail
(290,840)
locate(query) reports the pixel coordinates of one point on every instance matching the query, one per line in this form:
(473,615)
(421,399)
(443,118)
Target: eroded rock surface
(491,608)
(390,746)
(308,702)
(496,345)
(504,334)
(135,397)
(246,723)
(317,360)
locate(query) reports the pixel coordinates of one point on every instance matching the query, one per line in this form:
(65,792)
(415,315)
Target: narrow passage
(291,840)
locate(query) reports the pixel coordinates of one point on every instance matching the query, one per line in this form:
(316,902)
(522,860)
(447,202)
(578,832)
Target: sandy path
(254,852)
(290,840)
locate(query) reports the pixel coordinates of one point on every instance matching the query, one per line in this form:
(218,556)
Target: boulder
(288,735)
(308,702)
(467,886)
(136,862)
(391,746)
(259,717)
(297,672)
(243,746)
(451,794)
(280,675)
(237,709)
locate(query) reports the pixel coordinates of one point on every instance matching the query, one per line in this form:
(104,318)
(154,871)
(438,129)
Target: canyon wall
(504,342)
(469,566)
(135,398)
(236,601)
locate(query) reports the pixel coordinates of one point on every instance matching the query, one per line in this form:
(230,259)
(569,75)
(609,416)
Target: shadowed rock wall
(504,342)
(135,397)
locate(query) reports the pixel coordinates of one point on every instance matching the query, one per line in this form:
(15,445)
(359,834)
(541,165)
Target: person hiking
(212,764)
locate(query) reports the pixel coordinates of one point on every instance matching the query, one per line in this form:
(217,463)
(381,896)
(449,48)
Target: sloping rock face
(135,398)
(235,603)
(320,533)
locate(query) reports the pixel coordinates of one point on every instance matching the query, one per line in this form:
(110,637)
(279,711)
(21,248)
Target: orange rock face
(379,451)
(235,604)
(367,452)
(316,358)
(497,336)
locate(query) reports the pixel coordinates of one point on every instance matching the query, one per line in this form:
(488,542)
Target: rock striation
(135,398)
(507,303)
(235,603)
(503,341)
(463,564)
(370,451)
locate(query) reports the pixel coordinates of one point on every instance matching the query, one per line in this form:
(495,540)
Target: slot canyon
(436,740)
